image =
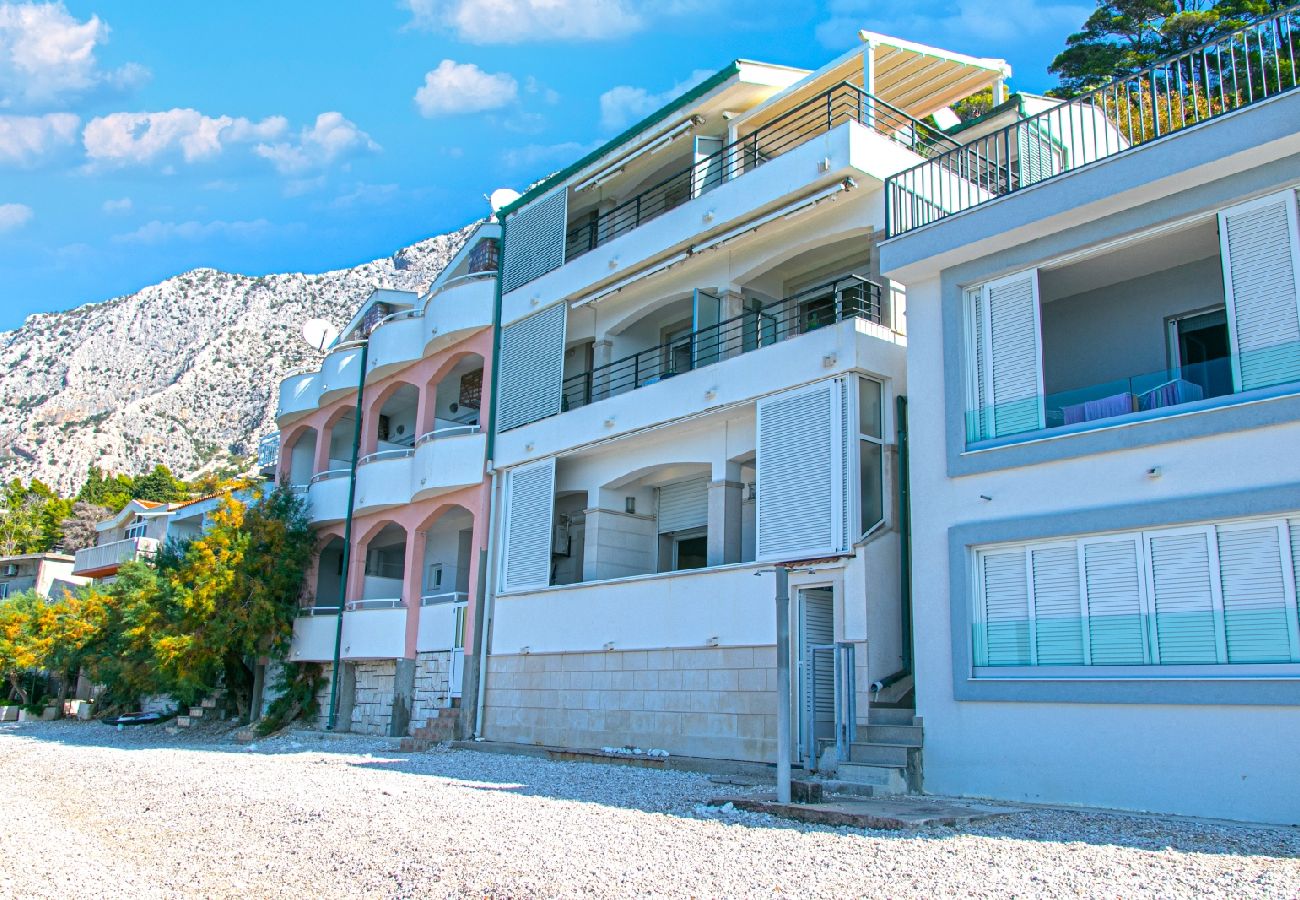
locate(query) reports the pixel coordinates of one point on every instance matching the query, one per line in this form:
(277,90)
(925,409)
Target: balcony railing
(843,103)
(381,603)
(852,297)
(1217,77)
(1149,395)
(111,555)
(307,612)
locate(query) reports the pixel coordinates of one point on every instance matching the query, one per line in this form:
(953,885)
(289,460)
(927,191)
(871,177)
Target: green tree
(20,650)
(111,492)
(159,486)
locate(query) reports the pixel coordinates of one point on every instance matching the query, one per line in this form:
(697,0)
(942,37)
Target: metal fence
(842,103)
(1224,74)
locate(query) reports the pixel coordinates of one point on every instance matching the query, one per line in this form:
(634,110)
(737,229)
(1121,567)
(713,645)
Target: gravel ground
(91,811)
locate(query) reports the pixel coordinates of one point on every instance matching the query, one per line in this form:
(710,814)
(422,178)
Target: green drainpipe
(496,346)
(904,531)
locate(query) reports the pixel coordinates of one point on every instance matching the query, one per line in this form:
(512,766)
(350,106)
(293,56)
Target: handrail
(381,603)
(843,102)
(456,282)
(847,297)
(385,454)
(448,597)
(328,474)
(307,612)
(400,314)
(446,432)
(1228,72)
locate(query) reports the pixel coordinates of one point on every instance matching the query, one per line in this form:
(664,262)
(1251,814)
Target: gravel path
(89,811)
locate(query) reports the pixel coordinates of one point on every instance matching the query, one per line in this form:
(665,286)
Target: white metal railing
(455,282)
(379,603)
(400,314)
(448,431)
(331,473)
(449,597)
(307,612)
(115,553)
(385,454)
(299,488)
(268,450)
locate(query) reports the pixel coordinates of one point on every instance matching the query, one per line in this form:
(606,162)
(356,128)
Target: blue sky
(140,138)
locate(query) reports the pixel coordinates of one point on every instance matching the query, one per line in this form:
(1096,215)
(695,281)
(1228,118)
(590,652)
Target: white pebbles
(86,811)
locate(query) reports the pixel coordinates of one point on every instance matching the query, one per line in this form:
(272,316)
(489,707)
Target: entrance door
(816,670)
(458,645)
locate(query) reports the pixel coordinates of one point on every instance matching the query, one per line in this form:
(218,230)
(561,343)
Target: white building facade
(699,373)
(1104,371)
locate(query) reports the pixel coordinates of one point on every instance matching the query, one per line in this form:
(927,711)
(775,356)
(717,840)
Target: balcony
(442,622)
(848,298)
(268,453)
(456,310)
(444,460)
(374,630)
(327,497)
(1228,73)
(313,634)
(103,560)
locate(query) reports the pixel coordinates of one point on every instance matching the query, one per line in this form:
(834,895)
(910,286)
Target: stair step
(888,715)
(882,779)
(891,755)
(196,712)
(449,712)
(183,721)
(209,703)
(906,735)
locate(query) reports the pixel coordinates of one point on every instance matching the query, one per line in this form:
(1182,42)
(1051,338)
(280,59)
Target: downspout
(481,641)
(904,531)
(347,540)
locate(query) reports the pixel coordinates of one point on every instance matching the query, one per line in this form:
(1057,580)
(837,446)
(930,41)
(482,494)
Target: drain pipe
(783,684)
(904,531)
(483,635)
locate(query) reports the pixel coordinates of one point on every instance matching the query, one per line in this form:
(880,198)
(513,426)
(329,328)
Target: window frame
(861,525)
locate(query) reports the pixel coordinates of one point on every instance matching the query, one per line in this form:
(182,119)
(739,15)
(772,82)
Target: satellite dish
(502,197)
(319,333)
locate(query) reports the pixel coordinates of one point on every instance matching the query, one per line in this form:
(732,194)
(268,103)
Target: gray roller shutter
(684,505)
(534,241)
(529,507)
(531,366)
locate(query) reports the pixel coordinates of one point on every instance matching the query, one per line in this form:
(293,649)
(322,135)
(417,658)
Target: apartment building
(1104,373)
(699,371)
(137,531)
(386,439)
(48,574)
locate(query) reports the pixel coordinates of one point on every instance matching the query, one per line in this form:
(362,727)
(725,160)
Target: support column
(347,694)
(403,693)
(321,460)
(725,498)
(733,339)
(413,587)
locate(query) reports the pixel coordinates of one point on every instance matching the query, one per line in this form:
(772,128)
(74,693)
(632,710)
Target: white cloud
(979,27)
(533,156)
(366,195)
(117,207)
(454,88)
(157,232)
(517,21)
(25,140)
(121,139)
(331,139)
(623,105)
(47,57)
(14,216)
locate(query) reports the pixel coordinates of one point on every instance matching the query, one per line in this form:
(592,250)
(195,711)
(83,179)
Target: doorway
(815,646)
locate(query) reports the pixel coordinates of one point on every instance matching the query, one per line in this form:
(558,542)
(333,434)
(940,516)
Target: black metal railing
(1224,74)
(851,297)
(844,102)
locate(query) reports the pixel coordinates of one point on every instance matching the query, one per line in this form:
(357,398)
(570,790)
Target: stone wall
(372,711)
(717,702)
(432,686)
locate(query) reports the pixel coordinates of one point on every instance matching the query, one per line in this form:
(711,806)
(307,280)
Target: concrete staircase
(438,730)
(887,756)
(209,708)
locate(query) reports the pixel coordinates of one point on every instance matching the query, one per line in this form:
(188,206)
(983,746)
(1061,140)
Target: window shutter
(1035,155)
(1058,611)
(534,243)
(1261,279)
(683,505)
(1258,603)
(530,504)
(1183,599)
(1006,609)
(977,389)
(1113,581)
(531,368)
(1015,367)
(800,473)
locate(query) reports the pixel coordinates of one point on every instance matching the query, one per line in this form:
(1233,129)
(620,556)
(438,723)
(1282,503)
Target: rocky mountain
(182,373)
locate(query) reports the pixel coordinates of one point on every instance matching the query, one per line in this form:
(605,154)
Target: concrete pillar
(725,498)
(321,461)
(347,695)
(413,586)
(403,694)
(733,335)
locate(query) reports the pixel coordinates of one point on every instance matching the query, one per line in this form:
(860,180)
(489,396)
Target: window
(137,528)
(871,454)
(1204,595)
(690,550)
(387,562)
(1200,352)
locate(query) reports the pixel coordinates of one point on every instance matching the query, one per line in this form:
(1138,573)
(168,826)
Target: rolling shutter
(800,470)
(1183,599)
(1058,611)
(534,243)
(526,548)
(1258,604)
(1006,609)
(1016,372)
(1113,582)
(1261,279)
(531,366)
(684,505)
(977,388)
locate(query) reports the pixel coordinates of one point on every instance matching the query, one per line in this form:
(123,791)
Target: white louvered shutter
(530,505)
(977,370)
(1258,602)
(1015,361)
(1058,609)
(800,472)
(534,240)
(816,627)
(1113,581)
(1261,277)
(1182,597)
(531,366)
(1005,613)
(683,505)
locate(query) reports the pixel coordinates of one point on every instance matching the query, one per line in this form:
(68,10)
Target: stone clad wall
(717,702)
(373,709)
(432,686)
